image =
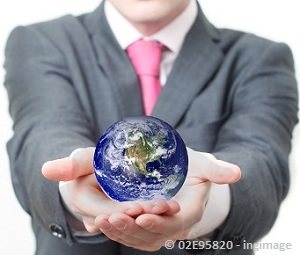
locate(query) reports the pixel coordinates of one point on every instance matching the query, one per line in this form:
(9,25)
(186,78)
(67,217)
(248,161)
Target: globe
(140,158)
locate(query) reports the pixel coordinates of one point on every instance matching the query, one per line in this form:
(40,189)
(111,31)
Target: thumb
(79,163)
(222,172)
(205,167)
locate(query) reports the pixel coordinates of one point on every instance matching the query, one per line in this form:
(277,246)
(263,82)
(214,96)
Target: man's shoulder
(243,42)
(59,31)
(63,24)
(243,49)
(60,28)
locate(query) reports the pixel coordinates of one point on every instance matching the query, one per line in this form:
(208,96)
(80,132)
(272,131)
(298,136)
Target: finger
(127,226)
(89,224)
(164,225)
(166,207)
(135,208)
(174,208)
(205,167)
(102,221)
(79,163)
(222,172)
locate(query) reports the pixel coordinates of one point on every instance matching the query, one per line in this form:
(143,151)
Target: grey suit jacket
(230,93)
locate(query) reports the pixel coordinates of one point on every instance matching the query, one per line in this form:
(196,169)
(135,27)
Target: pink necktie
(145,57)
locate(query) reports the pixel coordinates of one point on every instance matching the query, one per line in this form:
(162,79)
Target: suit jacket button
(237,240)
(57,231)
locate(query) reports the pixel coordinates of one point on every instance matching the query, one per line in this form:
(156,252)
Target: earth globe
(140,158)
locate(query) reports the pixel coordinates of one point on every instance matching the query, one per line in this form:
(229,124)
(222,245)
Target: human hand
(85,199)
(149,231)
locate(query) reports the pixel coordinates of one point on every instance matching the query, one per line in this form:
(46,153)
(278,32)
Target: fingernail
(119,224)
(44,166)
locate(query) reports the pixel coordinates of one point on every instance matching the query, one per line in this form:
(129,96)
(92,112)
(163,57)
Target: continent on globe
(142,151)
(140,158)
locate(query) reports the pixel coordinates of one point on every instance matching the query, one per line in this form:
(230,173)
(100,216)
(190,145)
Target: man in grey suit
(232,96)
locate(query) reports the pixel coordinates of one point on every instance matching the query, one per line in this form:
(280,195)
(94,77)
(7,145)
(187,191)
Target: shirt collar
(172,35)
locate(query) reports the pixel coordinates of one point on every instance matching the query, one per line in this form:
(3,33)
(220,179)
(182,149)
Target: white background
(275,19)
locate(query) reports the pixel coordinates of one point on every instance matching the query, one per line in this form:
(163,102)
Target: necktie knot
(145,57)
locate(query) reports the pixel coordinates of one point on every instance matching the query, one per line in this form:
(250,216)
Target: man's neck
(150,28)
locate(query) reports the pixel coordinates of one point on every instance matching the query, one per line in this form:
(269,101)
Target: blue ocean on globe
(140,158)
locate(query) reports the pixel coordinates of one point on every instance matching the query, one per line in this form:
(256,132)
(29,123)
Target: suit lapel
(195,65)
(115,67)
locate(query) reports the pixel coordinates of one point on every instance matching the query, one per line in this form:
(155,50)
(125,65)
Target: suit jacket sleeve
(257,137)
(49,122)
